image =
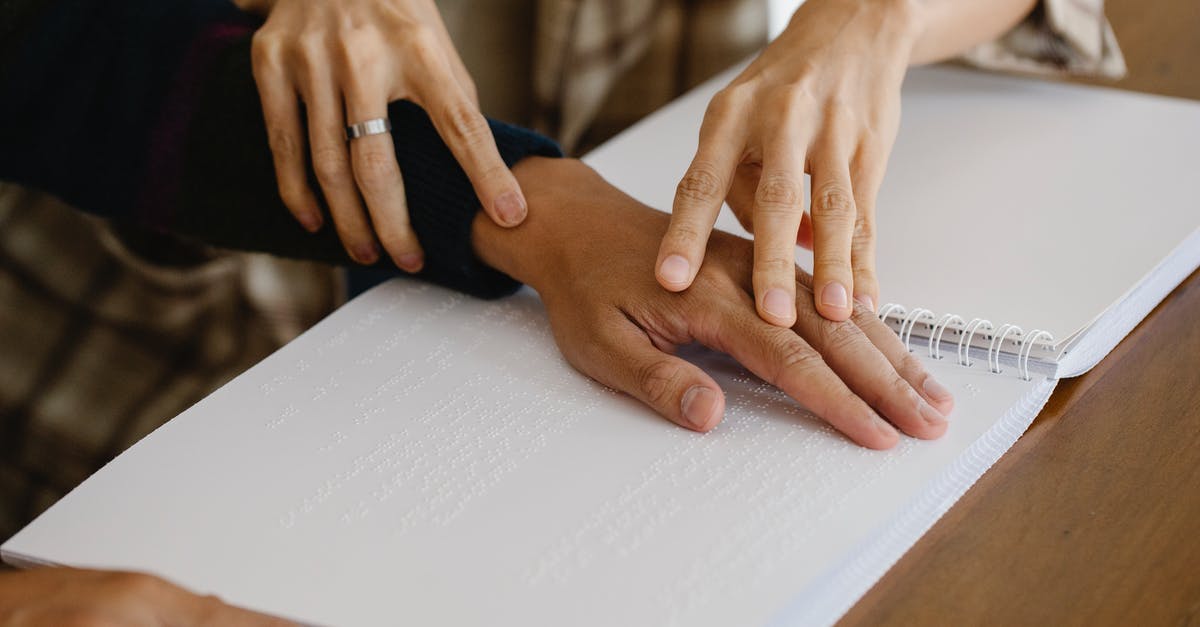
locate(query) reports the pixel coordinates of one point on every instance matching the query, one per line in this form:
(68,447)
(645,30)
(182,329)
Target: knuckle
(839,336)
(683,235)
(423,43)
(207,609)
(700,184)
(330,165)
(723,103)
(283,143)
(656,381)
(833,203)
(137,584)
(464,123)
(864,232)
(909,364)
(266,49)
(778,192)
(310,44)
(796,359)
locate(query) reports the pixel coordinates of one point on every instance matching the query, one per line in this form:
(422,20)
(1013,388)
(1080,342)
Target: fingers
(700,193)
(466,132)
(624,358)
(833,220)
(785,360)
(872,375)
(284,133)
(905,362)
(778,208)
(868,168)
(741,194)
(331,162)
(378,177)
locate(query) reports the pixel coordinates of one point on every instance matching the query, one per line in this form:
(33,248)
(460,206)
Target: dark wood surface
(1093,517)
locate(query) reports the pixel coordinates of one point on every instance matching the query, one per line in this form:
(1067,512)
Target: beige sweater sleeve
(1058,37)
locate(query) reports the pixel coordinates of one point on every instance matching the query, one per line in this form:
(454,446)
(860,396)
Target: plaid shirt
(99,345)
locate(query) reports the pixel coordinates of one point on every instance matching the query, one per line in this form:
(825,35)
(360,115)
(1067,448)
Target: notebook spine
(966,331)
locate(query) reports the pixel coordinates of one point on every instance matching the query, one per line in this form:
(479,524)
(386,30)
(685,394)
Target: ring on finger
(374,126)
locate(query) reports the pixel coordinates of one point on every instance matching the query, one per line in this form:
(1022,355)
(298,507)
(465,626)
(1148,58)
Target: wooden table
(1093,517)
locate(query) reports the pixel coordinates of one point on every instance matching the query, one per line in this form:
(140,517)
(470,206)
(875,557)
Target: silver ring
(377,126)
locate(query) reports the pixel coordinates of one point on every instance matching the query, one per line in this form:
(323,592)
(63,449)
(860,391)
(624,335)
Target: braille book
(422,457)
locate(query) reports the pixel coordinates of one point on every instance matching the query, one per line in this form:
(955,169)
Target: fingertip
(312,222)
(510,209)
(866,301)
(366,253)
(833,302)
(702,408)
(410,262)
(778,307)
(883,437)
(675,272)
(939,395)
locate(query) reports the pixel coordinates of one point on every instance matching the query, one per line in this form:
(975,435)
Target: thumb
(624,358)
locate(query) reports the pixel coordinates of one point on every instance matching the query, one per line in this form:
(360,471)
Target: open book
(420,457)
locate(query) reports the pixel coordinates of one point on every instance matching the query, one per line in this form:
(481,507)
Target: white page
(1020,201)
(421,457)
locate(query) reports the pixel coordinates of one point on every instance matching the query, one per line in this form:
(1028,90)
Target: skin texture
(63,597)
(822,99)
(345,60)
(587,248)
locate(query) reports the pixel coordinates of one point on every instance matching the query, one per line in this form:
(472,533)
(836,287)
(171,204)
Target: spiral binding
(967,329)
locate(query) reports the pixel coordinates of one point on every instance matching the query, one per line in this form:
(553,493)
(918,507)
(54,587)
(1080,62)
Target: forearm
(947,28)
(916,31)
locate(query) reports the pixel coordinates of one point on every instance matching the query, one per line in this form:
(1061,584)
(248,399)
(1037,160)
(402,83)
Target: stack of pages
(420,457)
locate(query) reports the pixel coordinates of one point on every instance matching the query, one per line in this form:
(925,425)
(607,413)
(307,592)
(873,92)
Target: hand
(66,596)
(587,249)
(347,59)
(823,98)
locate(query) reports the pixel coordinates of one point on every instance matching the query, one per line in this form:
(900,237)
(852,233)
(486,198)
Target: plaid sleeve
(1058,37)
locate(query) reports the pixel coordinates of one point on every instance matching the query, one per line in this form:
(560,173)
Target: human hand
(823,98)
(346,60)
(587,249)
(66,596)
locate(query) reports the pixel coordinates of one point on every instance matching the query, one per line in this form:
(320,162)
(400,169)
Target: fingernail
(698,405)
(675,270)
(866,301)
(936,390)
(311,222)
(777,303)
(510,206)
(834,295)
(410,262)
(367,254)
(932,416)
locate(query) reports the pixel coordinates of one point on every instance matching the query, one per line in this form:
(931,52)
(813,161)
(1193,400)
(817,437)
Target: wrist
(576,220)
(531,251)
